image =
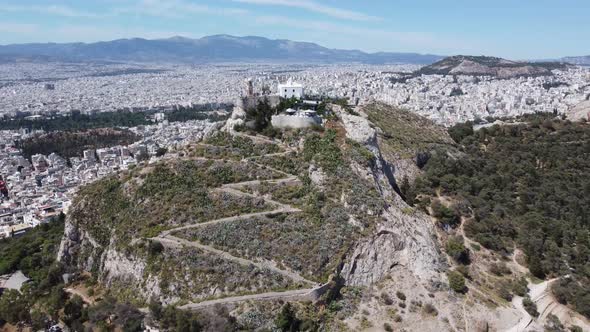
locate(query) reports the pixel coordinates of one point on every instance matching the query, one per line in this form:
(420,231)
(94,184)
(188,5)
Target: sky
(515,29)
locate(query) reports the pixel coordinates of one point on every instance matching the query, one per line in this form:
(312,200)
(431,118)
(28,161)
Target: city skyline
(524,30)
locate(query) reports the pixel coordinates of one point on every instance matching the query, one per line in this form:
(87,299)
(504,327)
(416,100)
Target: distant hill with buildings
(218,48)
(577,60)
(489,66)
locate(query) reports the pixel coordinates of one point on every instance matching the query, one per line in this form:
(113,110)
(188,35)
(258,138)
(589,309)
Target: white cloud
(77,33)
(18,28)
(315,7)
(345,29)
(156,8)
(175,9)
(368,39)
(57,10)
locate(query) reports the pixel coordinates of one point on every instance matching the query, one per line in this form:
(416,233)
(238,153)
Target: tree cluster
(525,185)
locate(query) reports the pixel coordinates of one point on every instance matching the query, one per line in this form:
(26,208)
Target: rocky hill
(578,60)
(489,66)
(324,221)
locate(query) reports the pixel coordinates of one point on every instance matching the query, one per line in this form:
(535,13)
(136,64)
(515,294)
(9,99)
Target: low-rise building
(290,90)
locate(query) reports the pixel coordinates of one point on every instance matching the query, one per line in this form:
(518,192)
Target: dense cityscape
(43,186)
(31,89)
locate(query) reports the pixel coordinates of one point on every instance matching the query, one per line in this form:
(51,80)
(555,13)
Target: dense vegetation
(34,253)
(198,112)
(141,204)
(190,274)
(69,144)
(226,146)
(295,240)
(523,185)
(405,133)
(78,121)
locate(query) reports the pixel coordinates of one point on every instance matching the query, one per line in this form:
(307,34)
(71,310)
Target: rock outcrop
(404,238)
(580,112)
(80,252)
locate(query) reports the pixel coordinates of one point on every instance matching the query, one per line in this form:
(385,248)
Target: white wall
(287,91)
(295,122)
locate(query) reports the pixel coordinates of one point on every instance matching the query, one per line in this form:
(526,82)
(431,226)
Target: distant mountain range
(218,48)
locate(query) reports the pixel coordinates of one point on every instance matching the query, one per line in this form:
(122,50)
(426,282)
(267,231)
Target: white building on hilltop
(290,90)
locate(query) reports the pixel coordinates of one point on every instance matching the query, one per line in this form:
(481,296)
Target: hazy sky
(516,29)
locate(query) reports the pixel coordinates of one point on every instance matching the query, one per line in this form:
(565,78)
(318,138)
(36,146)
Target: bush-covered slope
(489,66)
(524,186)
(403,133)
(146,201)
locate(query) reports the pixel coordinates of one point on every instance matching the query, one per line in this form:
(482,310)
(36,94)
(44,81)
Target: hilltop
(217,48)
(380,219)
(489,66)
(578,60)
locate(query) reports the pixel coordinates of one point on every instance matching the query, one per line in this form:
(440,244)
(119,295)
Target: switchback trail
(168,239)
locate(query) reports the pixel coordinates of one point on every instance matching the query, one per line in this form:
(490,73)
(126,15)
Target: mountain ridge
(206,49)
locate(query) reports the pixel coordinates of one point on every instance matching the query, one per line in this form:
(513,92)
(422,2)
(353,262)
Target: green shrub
(456,281)
(400,295)
(499,269)
(464,270)
(460,131)
(430,309)
(324,150)
(448,217)
(386,298)
(530,306)
(456,249)
(287,319)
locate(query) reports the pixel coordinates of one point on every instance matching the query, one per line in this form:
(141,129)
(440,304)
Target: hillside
(238,217)
(519,191)
(489,66)
(349,227)
(217,48)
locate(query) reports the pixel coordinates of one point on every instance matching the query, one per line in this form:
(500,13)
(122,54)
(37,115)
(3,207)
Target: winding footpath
(167,239)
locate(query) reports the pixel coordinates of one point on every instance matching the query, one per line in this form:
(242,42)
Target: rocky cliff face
(404,239)
(80,252)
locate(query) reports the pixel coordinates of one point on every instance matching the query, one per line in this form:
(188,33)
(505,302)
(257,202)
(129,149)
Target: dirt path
(288,179)
(84,297)
(283,209)
(174,241)
(231,190)
(167,239)
(536,292)
(292,294)
(258,139)
(277,154)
